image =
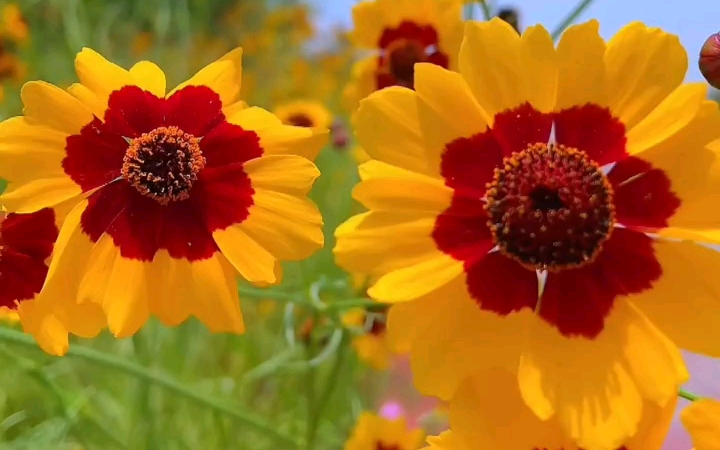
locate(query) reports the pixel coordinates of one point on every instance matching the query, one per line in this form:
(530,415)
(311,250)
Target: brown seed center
(163,164)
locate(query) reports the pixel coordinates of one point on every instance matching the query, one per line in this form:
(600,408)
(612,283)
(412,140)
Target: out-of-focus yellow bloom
(374,432)
(304,113)
(14,26)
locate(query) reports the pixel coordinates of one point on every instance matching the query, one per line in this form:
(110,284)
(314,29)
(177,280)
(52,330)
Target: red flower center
(550,207)
(300,120)
(402,56)
(377,328)
(163,164)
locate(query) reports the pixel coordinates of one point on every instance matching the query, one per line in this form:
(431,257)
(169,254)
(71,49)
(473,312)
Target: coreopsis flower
(304,113)
(702,421)
(403,33)
(26,245)
(371,345)
(709,61)
(447,440)
(520,215)
(374,432)
(172,194)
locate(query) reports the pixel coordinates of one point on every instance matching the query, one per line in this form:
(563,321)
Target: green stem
(487,14)
(687,395)
(331,381)
(571,17)
(351,303)
(142,430)
(112,362)
(310,391)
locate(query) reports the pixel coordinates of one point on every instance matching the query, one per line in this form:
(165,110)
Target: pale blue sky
(692,20)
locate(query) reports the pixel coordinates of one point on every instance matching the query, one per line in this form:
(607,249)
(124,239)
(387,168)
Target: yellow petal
(279,139)
(671,116)
(373,351)
(223,76)
(29,151)
(38,320)
(368,21)
(685,302)
(170,291)
(539,68)
(119,285)
(67,267)
(36,195)
(214,291)
(88,98)
(488,411)
(149,77)
(99,75)
(254,263)
(285,226)
(54,108)
(380,241)
(458,327)
(629,361)
(388,129)
(635,86)
(581,70)
(702,420)
(457,112)
(401,190)
(415,281)
(490,63)
(284,173)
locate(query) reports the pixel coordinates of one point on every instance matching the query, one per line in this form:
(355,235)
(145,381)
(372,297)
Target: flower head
(14,25)
(536,208)
(373,432)
(304,113)
(702,420)
(402,33)
(371,344)
(172,194)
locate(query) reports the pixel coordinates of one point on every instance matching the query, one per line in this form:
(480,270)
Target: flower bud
(709,61)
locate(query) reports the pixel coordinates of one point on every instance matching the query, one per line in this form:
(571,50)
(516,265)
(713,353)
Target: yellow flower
(14,26)
(172,194)
(702,420)
(377,433)
(518,210)
(488,411)
(372,346)
(304,113)
(405,32)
